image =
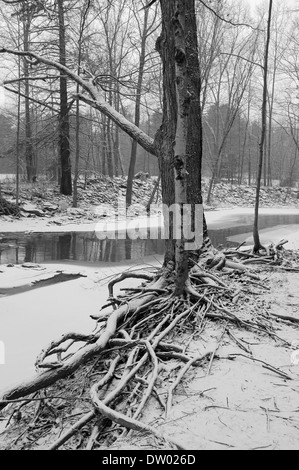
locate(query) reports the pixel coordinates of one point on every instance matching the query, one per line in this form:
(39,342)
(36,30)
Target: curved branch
(95,100)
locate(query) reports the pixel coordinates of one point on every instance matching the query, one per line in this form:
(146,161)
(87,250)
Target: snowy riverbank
(31,319)
(216,219)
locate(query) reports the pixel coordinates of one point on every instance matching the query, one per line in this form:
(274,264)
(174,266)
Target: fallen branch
(215,350)
(285,317)
(238,342)
(265,364)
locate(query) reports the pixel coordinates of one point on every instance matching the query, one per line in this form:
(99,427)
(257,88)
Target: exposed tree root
(135,338)
(126,275)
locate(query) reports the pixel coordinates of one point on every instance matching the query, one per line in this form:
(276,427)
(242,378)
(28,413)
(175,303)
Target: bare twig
(183,371)
(265,364)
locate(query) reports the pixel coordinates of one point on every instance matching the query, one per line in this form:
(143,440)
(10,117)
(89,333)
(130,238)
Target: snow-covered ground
(7,177)
(215,218)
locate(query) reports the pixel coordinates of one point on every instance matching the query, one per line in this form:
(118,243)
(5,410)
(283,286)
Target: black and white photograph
(149,227)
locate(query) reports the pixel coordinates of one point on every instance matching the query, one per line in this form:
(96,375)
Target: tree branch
(243,58)
(128,127)
(21,79)
(229,21)
(29,98)
(95,100)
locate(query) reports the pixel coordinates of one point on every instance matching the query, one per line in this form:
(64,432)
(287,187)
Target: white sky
(291,3)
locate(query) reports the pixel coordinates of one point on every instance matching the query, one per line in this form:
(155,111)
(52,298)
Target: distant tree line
(238,162)
(48,131)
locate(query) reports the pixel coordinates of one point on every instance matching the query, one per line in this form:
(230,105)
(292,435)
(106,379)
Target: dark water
(82,246)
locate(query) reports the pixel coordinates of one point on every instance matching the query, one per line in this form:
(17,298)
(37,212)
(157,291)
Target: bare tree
(64,125)
(83,21)
(145,30)
(235,70)
(256,238)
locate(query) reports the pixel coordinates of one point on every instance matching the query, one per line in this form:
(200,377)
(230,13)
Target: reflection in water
(38,248)
(128,248)
(84,246)
(65,244)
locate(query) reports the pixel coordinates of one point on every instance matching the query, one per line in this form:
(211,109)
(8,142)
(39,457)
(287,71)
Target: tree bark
(189,188)
(256,237)
(30,169)
(64,126)
(180,146)
(137,109)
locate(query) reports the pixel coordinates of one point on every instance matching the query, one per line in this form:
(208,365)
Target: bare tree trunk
(256,237)
(190,129)
(243,152)
(64,126)
(103,145)
(77,155)
(116,142)
(185,93)
(137,108)
(249,164)
(31,173)
(271,103)
(291,177)
(18,133)
(154,191)
(246,139)
(295,140)
(109,148)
